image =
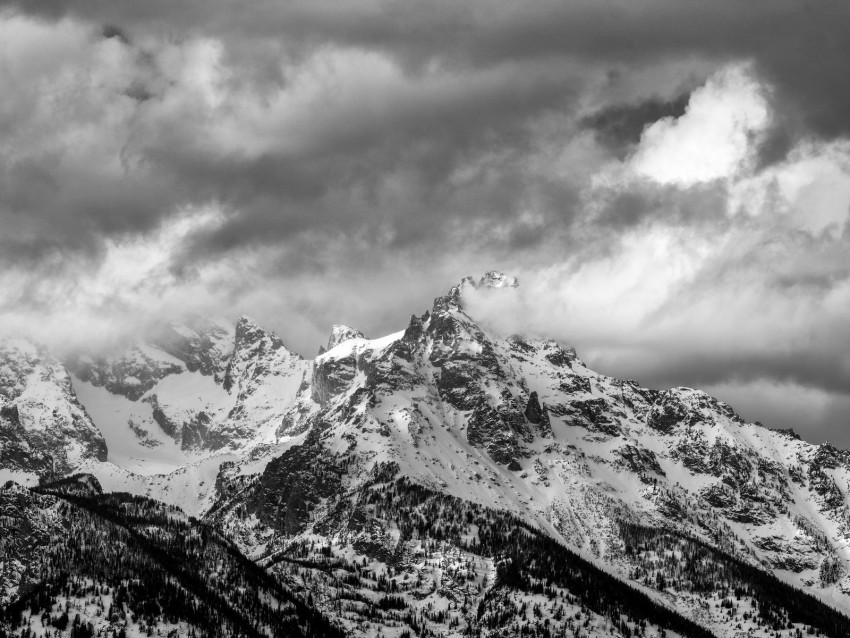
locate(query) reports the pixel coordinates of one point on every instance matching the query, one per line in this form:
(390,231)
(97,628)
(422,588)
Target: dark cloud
(699,206)
(279,195)
(819,368)
(112,31)
(801,46)
(309,161)
(620,126)
(72,207)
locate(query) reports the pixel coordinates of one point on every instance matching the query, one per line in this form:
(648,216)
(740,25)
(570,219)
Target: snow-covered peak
(341,334)
(131,373)
(496,279)
(493,279)
(251,339)
(202,344)
(43,428)
(18,358)
(247,327)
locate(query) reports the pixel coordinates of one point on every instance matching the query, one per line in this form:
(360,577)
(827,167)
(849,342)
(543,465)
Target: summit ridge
(306,459)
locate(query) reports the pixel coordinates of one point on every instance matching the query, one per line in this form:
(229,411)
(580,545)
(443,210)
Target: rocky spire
(341,334)
(253,345)
(491,279)
(496,279)
(533,411)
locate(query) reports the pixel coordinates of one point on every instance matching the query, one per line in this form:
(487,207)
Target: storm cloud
(670,180)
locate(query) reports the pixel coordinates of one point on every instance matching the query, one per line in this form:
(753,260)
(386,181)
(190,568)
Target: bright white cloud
(713,139)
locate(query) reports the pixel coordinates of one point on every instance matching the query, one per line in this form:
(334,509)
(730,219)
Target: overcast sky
(669,179)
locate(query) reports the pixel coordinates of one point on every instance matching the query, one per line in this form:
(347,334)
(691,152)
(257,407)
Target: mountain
(448,480)
(132,566)
(341,334)
(206,386)
(43,427)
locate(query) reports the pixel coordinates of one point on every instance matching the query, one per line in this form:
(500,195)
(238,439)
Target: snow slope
(523,425)
(273,444)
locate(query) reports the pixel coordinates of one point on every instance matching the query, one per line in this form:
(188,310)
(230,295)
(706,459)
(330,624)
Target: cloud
(672,185)
(745,286)
(621,126)
(712,139)
(810,191)
(800,48)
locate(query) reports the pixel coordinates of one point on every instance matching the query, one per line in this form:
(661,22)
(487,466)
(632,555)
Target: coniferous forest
(153,564)
(118,564)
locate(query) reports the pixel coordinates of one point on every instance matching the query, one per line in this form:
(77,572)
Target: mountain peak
(341,333)
(43,427)
(246,323)
(250,332)
(492,279)
(497,279)
(250,335)
(507,439)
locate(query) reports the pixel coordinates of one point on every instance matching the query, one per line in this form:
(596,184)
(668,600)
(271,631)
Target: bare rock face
(468,365)
(209,385)
(499,430)
(294,484)
(667,414)
(201,344)
(166,422)
(253,346)
(43,427)
(496,279)
(332,377)
(341,334)
(533,412)
(640,461)
(196,433)
(446,385)
(131,374)
(265,379)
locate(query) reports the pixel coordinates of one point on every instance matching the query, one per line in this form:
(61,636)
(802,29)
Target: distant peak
(496,279)
(245,321)
(249,332)
(491,280)
(341,334)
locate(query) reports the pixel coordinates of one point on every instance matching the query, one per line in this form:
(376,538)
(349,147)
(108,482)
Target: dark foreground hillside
(98,564)
(80,563)
(396,548)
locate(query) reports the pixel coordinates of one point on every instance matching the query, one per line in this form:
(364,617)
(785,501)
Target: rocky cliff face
(203,345)
(205,385)
(524,425)
(132,374)
(317,449)
(341,334)
(43,428)
(268,383)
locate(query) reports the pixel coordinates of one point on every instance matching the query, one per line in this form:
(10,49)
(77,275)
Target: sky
(668,179)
